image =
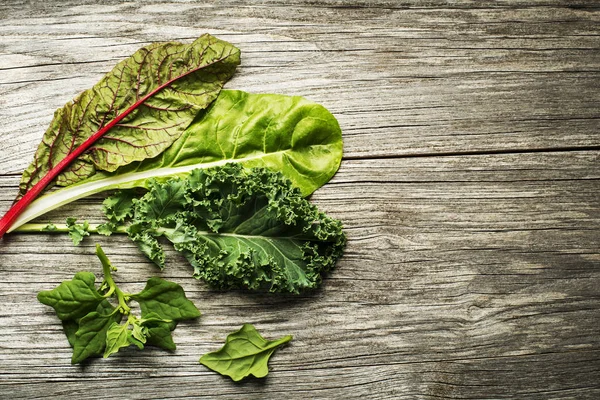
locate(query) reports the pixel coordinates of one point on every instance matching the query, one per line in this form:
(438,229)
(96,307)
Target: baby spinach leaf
(70,328)
(73,299)
(117,337)
(239,228)
(292,135)
(245,353)
(90,338)
(159,335)
(165,300)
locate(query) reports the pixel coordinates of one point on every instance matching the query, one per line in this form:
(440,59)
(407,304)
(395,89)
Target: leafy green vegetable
(117,337)
(49,228)
(239,228)
(292,135)
(160,89)
(245,353)
(145,102)
(165,300)
(73,299)
(77,231)
(93,325)
(159,334)
(91,335)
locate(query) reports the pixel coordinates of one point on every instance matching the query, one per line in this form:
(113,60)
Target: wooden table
(469,192)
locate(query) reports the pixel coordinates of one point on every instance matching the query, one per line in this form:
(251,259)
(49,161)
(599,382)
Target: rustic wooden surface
(469,192)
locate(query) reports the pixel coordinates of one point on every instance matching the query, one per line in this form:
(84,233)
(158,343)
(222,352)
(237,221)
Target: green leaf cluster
(93,325)
(238,228)
(288,134)
(245,353)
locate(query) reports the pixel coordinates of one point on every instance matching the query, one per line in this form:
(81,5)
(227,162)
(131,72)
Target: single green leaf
(73,299)
(90,338)
(158,331)
(299,138)
(105,229)
(159,335)
(245,353)
(240,228)
(49,228)
(165,299)
(133,340)
(70,328)
(77,231)
(139,332)
(158,91)
(117,337)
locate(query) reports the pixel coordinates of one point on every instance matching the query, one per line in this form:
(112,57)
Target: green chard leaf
(239,228)
(289,134)
(176,80)
(165,300)
(245,353)
(73,299)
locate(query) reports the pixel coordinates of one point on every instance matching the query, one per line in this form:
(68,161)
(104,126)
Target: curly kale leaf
(239,228)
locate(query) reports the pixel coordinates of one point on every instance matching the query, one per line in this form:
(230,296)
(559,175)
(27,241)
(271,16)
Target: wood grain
(469,193)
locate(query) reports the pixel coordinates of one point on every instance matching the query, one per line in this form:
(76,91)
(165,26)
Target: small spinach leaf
(245,353)
(166,300)
(73,299)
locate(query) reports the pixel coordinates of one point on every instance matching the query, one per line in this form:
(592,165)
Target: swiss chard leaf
(292,135)
(160,89)
(240,228)
(245,353)
(136,111)
(73,299)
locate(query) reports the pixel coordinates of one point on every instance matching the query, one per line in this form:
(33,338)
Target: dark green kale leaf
(239,228)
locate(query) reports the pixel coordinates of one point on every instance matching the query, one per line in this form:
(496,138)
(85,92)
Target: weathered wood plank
(464,277)
(435,81)
(469,273)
